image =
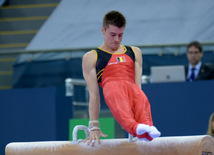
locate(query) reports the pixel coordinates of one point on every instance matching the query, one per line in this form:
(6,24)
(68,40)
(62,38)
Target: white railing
(145,46)
(69,86)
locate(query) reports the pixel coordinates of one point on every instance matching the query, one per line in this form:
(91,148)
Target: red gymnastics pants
(128,104)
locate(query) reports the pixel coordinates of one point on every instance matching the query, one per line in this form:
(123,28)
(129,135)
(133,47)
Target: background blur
(42,43)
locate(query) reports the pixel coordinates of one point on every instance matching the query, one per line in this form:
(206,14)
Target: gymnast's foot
(154,133)
(143,128)
(151,130)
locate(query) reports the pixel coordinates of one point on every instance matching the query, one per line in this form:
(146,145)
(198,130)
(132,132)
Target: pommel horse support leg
(183,145)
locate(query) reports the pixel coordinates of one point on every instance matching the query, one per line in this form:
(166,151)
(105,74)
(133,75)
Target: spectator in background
(211,126)
(196,70)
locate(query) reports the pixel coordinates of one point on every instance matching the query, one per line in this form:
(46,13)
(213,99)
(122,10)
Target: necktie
(192,76)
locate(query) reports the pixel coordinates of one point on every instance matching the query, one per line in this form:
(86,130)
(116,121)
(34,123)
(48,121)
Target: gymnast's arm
(138,66)
(89,73)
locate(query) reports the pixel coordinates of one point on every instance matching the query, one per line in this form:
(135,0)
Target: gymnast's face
(113,36)
(194,55)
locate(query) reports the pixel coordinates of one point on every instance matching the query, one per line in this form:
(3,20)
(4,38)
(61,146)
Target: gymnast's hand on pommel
(94,136)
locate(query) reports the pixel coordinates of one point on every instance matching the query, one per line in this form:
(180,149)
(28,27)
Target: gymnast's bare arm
(89,73)
(138,66)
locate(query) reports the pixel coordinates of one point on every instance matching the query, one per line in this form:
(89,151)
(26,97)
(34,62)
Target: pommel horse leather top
(183,145)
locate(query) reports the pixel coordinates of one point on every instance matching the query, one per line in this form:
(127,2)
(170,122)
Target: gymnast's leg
(143,116)
(126,112)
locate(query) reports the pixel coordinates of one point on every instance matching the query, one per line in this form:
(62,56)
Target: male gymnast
(118,70)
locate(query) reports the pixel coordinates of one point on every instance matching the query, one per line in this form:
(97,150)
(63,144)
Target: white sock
(142,128)
(154,133)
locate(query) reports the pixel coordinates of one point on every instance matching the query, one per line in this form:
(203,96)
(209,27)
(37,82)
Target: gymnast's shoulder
(90,56)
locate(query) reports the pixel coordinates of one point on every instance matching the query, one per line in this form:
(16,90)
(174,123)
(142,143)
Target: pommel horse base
(183,145)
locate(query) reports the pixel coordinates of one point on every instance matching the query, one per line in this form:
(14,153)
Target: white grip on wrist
(94,125)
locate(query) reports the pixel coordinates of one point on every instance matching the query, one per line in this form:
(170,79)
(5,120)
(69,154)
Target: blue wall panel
(34,114)
(39,114)
(181,108)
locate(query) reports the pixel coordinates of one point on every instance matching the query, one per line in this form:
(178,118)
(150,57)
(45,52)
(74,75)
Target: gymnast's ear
(103,30)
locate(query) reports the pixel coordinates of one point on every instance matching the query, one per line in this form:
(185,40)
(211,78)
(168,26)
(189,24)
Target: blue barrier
(35,114)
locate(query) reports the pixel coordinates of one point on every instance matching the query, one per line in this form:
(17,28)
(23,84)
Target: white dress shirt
(196,71)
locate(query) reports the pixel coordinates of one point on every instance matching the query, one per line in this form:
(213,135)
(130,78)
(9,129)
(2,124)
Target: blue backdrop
(181,108)
(38,114)
(42,114)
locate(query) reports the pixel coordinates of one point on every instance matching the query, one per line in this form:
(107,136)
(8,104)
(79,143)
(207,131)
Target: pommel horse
(182,145)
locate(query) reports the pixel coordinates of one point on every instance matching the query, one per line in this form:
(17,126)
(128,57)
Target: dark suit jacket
(205,73)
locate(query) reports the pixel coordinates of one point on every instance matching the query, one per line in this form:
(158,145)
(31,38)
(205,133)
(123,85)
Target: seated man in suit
(196,70)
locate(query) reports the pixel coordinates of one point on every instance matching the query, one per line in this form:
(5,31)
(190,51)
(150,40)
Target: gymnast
(118,70)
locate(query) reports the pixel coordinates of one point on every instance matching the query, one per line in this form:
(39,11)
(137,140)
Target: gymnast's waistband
(116,79)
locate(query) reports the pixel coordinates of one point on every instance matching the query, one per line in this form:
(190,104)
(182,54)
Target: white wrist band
(93,124)
(94,129)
